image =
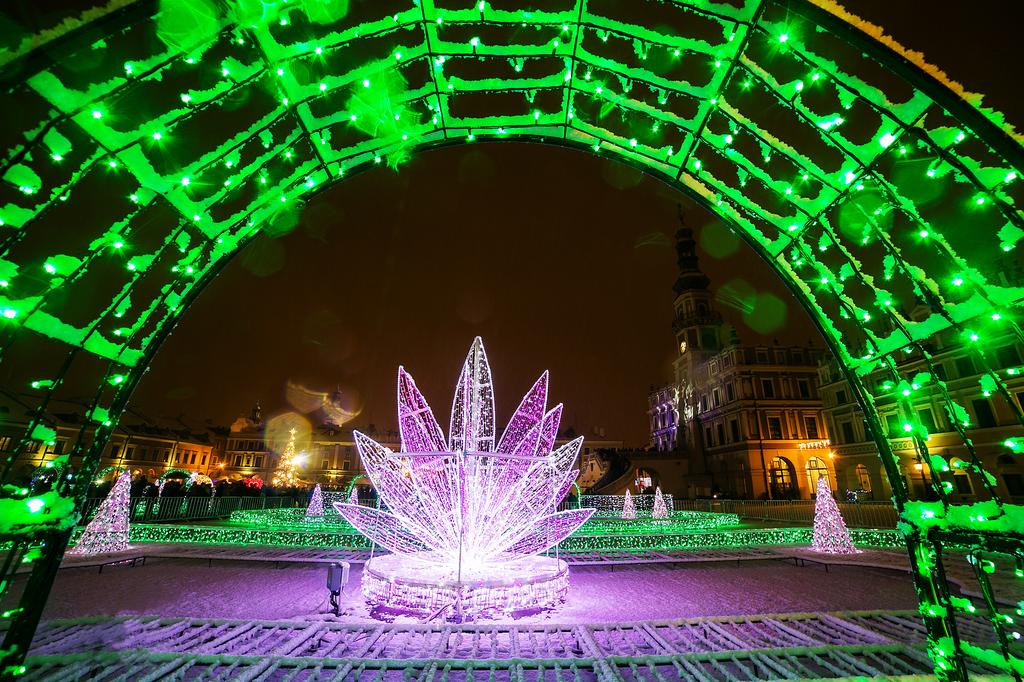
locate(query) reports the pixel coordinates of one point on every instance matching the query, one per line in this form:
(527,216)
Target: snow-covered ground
(257,590)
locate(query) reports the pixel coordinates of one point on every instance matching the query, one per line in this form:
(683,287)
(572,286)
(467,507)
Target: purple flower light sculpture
(465,513)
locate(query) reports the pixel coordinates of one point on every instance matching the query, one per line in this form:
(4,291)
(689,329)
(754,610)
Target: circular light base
(408,585)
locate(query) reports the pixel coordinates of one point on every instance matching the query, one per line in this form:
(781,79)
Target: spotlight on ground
(337,578)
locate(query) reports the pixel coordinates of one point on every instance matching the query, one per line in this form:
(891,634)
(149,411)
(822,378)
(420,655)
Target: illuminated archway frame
(870,185)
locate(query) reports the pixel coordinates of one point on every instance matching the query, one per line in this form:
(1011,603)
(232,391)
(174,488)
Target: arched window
(781,473)
(815,469)
(863,478)
(961,480)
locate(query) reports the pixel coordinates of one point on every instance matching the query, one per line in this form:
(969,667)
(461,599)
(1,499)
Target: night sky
(560,260)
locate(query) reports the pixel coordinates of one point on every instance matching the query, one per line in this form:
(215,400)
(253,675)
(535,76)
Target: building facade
(749,417)
(990,422)
(146,445)
(663,415)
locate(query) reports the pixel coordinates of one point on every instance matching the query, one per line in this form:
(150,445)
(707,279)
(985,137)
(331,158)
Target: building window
(1008,356)
(325,464)
(703,403)
(894,425)
(238,460)
(940,371)
(781,475)
(767,388)
(203,460)
(840,397)
(863,477)
(762,357)
(344,465)
(129,452)
(774,428)
(927,419)
(804,388)
(848,436)
(113,451)
(983,412)
(961,481)
(716,397)
(815,469)
(730,394)
(964,366)
(257,461)
(1014,484)
(707,437)
(192,458)
(811,424)
(721,434)
(734,426)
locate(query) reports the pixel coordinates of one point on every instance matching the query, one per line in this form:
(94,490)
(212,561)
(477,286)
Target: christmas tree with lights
(830,533)
(353,495)
(108,530)
(628,508)
(660,511)
(316,503)
(286,476)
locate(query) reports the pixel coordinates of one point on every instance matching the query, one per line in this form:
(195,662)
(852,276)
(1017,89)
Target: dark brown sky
(558,259)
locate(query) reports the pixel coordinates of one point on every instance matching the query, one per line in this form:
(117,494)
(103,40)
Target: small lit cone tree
(108,530)
(830,533)
(628,508)
(286,476)
(316,503)
(660,511)
(353,496)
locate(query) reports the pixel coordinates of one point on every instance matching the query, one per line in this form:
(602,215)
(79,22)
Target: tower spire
(690,276)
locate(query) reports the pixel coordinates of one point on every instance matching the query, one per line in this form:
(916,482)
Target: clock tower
(697,326)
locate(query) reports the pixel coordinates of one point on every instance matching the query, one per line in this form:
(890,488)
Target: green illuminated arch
(144,148)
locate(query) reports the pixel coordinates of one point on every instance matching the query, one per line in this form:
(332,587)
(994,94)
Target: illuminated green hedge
(604,542)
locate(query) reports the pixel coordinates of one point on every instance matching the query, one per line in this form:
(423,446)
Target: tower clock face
(682,347)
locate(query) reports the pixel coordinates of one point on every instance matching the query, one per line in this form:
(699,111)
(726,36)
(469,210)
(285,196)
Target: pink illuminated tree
(660,511)
(353,496)
(108,530)
(471,498)
(830,533)
(316,503)
(628,508)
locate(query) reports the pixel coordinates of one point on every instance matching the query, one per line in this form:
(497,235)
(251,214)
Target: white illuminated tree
(353,496)
(108,530)
(830,533)
(628,508)
(660,511)
(316,503)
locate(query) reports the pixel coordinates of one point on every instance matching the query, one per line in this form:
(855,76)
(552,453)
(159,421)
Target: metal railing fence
(875,514)
(151,509)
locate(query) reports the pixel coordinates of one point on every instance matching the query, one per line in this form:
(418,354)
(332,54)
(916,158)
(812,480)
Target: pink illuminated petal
(564,457)
(549,431)
(383,528)
(530,412)
(550,530)
(472,423)
(393,480)
(417,426)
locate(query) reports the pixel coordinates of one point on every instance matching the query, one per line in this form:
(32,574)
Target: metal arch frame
(938,93)
(937,627)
